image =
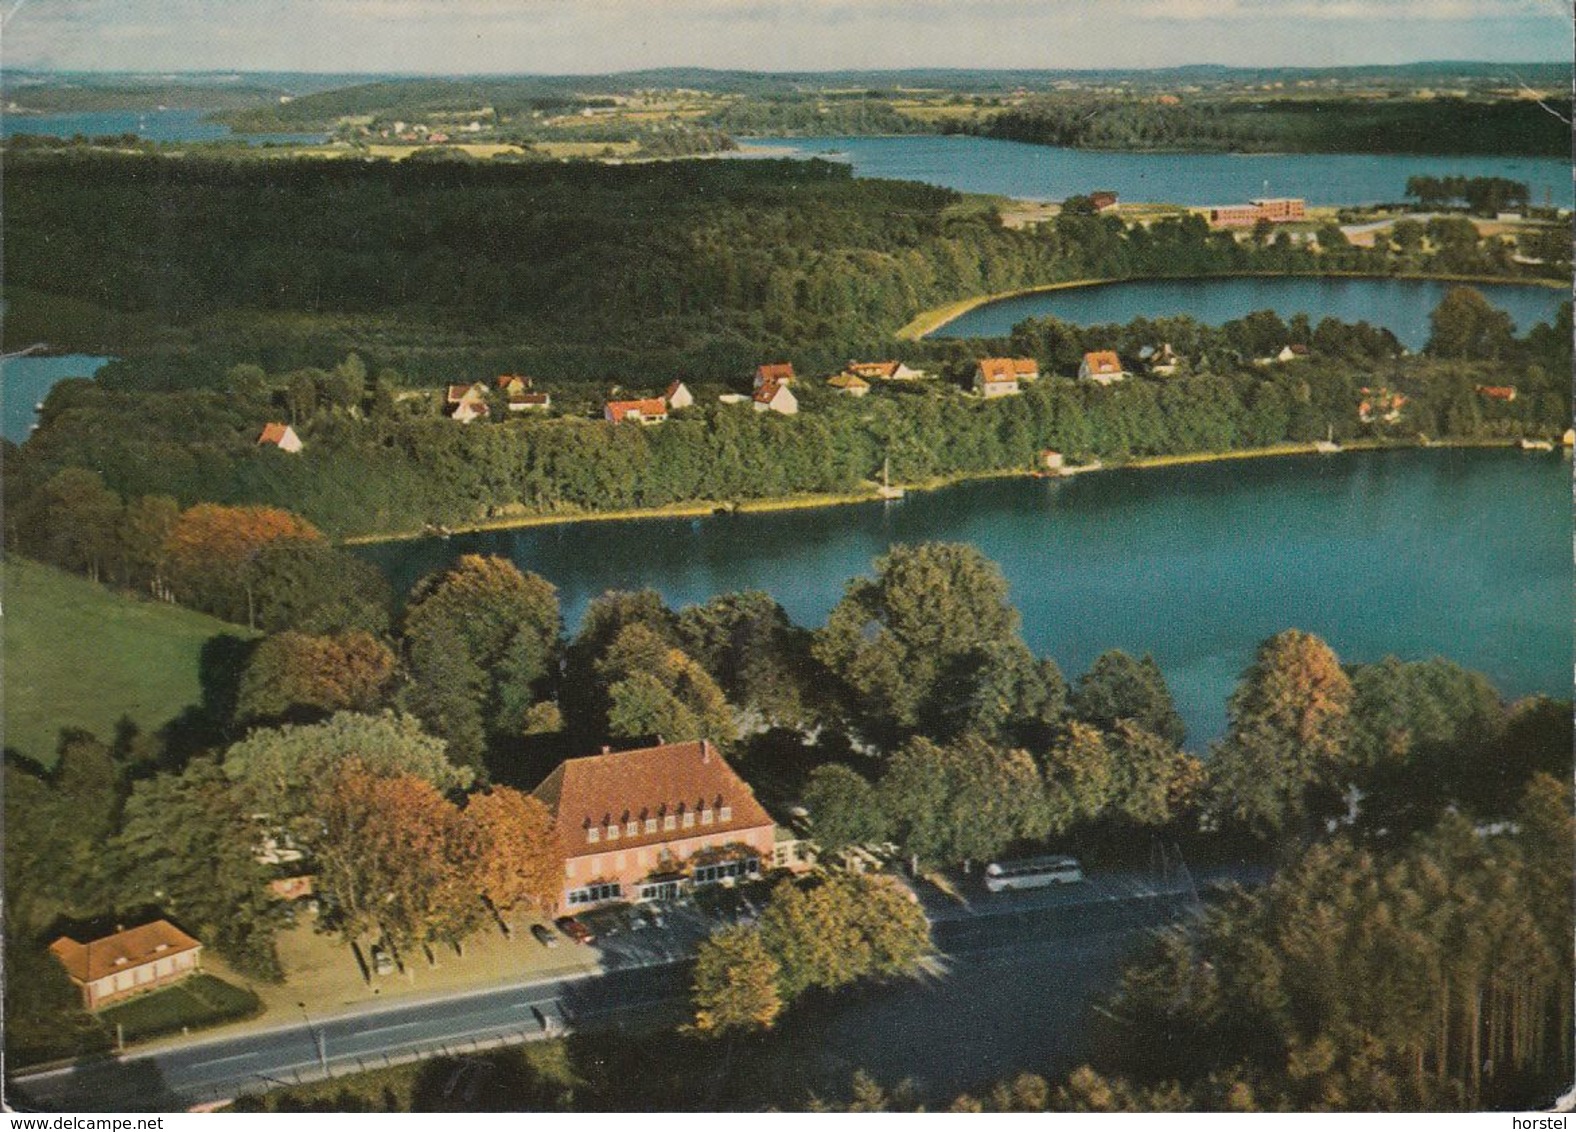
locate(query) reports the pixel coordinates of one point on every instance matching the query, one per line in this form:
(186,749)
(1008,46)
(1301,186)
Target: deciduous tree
(734,986)
(212,554)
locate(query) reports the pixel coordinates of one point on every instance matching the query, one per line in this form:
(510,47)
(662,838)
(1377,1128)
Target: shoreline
(705,509)
(927,322)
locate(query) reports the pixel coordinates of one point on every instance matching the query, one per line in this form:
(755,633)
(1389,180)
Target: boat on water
(885,490)
(1535,445)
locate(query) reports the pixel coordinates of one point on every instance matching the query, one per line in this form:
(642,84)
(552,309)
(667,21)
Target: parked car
(574,929)
(544,935)
(382,961)
(652,915)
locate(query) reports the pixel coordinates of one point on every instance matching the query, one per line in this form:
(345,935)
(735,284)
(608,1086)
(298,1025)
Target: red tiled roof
(273,433)
(1498,392)
(1103,361)
(848,381)
(458,393)
(646,407)
(625,786)
(776,372)
(508,379)
(529,399)
(87,962)
(873,369)
(766,392)
(1008,369)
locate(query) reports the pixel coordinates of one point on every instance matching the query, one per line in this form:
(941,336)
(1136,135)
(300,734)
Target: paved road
(988,948)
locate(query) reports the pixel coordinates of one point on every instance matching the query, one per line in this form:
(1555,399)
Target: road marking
(396,1026)
(221,1060)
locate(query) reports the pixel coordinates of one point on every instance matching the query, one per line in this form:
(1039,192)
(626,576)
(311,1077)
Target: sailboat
(886,490)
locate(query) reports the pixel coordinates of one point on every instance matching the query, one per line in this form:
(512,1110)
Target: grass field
(199,1001)
(77,655)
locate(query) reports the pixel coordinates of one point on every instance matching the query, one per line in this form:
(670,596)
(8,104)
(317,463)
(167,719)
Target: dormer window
(725,813)
(632,828)
(651,825)
(669,822)
(120,960)
(612,832)
(706,816)
(161,947)
(593,834)
(689,818)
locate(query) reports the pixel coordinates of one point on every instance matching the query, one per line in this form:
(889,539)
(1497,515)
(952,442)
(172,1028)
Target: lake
(1461,553)
(1402,305)
(1038,172)
(24,382)
(153,125)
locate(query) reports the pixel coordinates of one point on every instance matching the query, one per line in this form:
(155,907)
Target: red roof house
(999,377)
(779,373)
(1102,366)
(129,962)
(648,410)
(649,824)
(281,436)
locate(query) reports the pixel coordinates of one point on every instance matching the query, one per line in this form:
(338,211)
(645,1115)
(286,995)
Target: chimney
(606,750)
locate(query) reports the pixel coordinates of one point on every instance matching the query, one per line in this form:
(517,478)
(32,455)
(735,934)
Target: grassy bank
(78,655)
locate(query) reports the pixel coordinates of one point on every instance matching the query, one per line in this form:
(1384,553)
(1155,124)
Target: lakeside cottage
(1160,361)
(775,373)
(281,436)
(777,398)
(1277,210)
(646,411)
(129,962)
(1102,367)
(678,396)
(999,377)
(1102,200)
(653,823)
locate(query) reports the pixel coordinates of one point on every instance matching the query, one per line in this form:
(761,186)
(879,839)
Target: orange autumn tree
(211,553)
(517,866)
(291,675)
(397,860)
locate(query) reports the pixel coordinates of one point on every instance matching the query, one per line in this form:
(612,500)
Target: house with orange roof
(777,398)
(647,410)
(281,436)
(1102,366)
(1381,405)
(1000,377)
(778,373)
(884,371)
(653,823)
(678,396)
(1506,393)
(129,962)
(850,384)
(467,402)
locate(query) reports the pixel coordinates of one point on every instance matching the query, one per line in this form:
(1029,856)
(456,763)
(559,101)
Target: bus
(1032,872)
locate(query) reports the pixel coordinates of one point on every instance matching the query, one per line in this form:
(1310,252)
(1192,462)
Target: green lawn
(199,1001)
(77,655)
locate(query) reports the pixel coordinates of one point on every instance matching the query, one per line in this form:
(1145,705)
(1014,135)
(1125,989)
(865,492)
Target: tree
(517,864)
(759,658)
(315,588)
(212,554)
(291,674)
(73,521)
(844,807)
(1289,731)
(655,689)
(186,846)
(1119,687)
(396,860)
(830,932)
(1080,777)
(1465,325)
(480,626)
(735,983)
(140,542)
(284,772)
(891,639)
(962,802)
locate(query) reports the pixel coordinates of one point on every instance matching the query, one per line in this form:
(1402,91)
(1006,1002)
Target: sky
(596,36)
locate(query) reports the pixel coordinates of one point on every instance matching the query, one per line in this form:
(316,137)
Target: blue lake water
(1402,305)
(24,382)
(1464,554)
(1037,172)
(153,125)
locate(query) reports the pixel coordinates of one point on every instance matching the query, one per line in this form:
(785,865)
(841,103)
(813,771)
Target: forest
(927,722)
(1273,125)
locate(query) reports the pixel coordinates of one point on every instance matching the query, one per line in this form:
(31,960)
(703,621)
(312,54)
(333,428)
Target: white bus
(1032,872)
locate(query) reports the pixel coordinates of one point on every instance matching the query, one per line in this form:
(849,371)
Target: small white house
(777,398)
(281,436)
(678,396)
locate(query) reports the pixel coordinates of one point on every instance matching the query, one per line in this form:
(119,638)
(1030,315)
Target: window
(651,825)
(632,829)
(595,893)
(612,832)
(722,870)
(705,817)
(725,813)
(593,835)
(689,818)
(669,822)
